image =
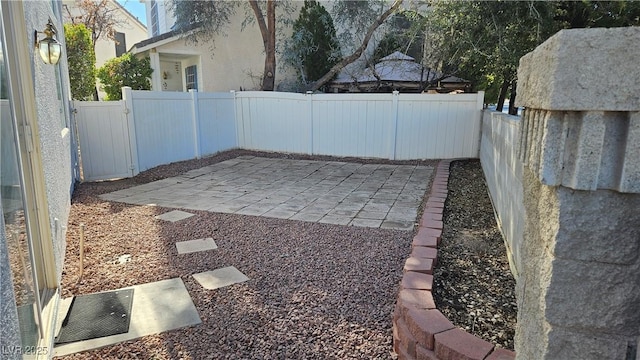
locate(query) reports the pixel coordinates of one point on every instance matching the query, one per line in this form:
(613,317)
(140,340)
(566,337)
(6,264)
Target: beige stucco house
(234,61)
(129,30)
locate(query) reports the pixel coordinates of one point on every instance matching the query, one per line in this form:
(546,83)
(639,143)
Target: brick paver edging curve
(420,331)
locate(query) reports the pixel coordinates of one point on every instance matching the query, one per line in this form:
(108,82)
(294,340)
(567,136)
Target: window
(121,44)
(63,109)
(155,30)
(191,77)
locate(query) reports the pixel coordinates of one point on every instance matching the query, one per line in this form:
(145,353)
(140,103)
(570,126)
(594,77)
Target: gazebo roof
(398,56)
(396,67)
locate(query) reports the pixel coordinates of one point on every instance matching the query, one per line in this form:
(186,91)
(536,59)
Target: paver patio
(343,193)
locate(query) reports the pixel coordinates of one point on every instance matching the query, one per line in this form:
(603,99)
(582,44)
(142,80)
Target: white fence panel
(273,121)
(104,140)
(438,126)
(352,124)
(173,126)
(164,127)
(503,172)
(217,131)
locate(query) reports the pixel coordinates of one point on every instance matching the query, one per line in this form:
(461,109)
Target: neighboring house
(129,30)
(400,72)
(235,62)
(159,17)
(37,143)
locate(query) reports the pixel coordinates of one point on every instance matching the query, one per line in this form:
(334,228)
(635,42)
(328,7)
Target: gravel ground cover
(473,285)
(316,291)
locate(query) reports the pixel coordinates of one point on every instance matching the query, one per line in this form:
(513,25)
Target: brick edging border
(420,331)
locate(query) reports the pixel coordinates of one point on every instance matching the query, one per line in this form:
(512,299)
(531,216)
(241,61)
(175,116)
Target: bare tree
(212,16)
(268,32)
(100,17)
(358,52)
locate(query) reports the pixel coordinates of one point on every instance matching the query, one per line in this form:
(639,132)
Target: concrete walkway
(370,195)
(157,307)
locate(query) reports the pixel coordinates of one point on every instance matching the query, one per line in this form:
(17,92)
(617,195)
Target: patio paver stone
(175,215)
(191,246)
(216,279)
(335,192)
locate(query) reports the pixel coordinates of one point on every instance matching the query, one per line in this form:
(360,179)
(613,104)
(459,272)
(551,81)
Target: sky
(136,8)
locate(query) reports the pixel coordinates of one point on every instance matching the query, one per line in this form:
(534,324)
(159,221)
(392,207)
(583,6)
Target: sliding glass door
(25,259)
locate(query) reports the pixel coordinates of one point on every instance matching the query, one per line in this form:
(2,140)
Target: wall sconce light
(165,75)
(49,48)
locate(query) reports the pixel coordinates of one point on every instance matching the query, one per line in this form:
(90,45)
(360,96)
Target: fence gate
(105,144)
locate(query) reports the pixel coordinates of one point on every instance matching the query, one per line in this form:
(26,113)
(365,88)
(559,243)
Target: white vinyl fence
(391,126)
(104,133)
(503,172)
(165,127)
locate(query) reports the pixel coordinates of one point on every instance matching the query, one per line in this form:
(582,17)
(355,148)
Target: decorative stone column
(579,293)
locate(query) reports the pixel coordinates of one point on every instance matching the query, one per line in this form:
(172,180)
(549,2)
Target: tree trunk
(502,95)
(513,110)
(356,54)
(268,32)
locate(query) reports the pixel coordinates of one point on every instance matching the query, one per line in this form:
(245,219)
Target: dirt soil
(473,285)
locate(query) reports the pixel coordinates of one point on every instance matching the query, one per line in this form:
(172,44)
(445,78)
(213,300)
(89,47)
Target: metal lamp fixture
(49,48)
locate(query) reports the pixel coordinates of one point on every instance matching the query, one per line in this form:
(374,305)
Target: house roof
(122,8)
(396,67)
(138,47)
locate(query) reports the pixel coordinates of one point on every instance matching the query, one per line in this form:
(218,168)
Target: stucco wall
(165,16)
(236,62)
(54,130)
(503,173)
(51,98)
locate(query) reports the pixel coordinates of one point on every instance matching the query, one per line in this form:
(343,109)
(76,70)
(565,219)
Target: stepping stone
(191,246)
(215,279)
(175,215)
(157,307)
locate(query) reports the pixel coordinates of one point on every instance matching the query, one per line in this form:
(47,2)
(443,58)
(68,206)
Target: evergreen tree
(314,45)
(82,61)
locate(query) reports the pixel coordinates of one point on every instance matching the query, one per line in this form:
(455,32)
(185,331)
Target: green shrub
(126,70)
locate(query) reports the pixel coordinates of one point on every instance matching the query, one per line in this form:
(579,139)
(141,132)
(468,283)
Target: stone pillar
(579,293)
